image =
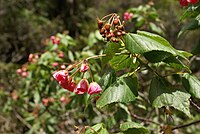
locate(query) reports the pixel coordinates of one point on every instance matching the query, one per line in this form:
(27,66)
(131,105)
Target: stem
(143,119)
(147,66)
(186,125)
(195,105)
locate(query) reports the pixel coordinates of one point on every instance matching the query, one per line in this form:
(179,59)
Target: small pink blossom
(62,99)
(84,67)
(52,38)
(54,64)
(24,74)
(56,41)
(82,86)
(19,71)
(128,16)
(64,80)
(94,88)
(30,57)
(61,55)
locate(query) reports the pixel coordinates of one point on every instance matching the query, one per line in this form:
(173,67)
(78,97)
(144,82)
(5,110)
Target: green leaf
(191,84)
(98,128)
(156,56)
(195,24)
(176,63)
(156,29)
(133,128)
(140,43)
(110,51)
(162,93)
(121,62)
(107,79)
(123,90)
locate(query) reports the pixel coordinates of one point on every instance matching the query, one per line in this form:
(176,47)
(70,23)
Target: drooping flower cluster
(128,16)
(111,29)
(83,86)
(187,2)
(23,71)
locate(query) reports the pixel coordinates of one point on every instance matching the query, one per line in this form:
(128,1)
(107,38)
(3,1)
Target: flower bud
(19,71)
(54,64)
(94,88)
(84,67)
(82,86)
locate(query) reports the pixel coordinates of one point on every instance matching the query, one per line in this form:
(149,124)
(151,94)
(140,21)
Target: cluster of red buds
(112,28)
(185,3)
(55,40)
(66,81)
(23,71)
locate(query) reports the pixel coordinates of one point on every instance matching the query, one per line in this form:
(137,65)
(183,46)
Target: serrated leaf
(123,90)
(191,84)
(133,128)
(161,94)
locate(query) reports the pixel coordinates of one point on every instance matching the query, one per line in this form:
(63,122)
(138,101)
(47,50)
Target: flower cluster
(83,86)
(186,2)
(23,71)
(128,16)
(55,40)
(111,29)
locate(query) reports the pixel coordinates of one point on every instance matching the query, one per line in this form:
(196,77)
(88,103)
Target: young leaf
(133,128)
(123,90)
(161,94)
(192,85)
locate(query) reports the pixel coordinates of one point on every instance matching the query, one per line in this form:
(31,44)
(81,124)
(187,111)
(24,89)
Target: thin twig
(195,105)
(186,125)
(143,119)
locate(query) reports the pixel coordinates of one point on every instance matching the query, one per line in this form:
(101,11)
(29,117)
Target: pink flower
(55,64)
(56,41)
(64,80)
(94,88)
(61,55)
(62,99)
(24,74)
(82,86)
(128,16)
(84,67)
(19,71)
(52,38)
(30,57)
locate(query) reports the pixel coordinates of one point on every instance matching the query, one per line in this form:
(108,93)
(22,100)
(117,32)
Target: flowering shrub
(144,85)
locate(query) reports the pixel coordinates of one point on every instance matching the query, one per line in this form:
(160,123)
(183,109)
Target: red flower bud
(84,67)
(24,74)
(61,55)
(128,16)
(82,86)
(94,88)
